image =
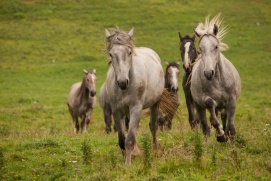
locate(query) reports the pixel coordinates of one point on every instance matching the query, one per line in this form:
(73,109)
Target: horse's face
(188,52)
(172,75)
(209,47)
(121,60)
(90,82)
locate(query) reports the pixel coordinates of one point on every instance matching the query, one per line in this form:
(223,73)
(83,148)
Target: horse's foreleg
(224,119)
(84,125)
(107,120)
(131,142)
(154,123)
(202,117)
(76,124)
(230,117)
(211,105)
(121,130)
(190,108)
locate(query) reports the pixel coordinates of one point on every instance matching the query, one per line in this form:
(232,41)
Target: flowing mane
(208,27)
(119,37)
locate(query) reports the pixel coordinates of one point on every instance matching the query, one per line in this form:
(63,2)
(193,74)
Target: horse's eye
(130,53)
(110,55)
(216,47)
(88,80)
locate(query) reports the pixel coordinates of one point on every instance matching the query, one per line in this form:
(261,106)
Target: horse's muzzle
(123,84)
(174,90)
(92,93)
(209,74)
(187,69)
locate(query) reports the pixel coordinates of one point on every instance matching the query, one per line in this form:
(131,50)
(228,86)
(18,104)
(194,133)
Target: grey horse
(215,82)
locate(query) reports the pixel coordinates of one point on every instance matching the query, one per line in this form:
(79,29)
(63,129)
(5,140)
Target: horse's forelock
(172,64)
(207,28)
(120,38)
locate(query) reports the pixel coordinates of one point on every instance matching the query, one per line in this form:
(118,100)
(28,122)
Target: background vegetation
(45,45)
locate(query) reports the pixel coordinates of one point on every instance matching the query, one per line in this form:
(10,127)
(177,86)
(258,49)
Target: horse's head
(210,54)
(210,35)
(90,81)
(188,51)
(172,75)
(120,49)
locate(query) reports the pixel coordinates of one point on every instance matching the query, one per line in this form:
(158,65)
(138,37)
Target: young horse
(171,84)
(189,55)
(134,82)
(82,99)
(107,110)
(215,83)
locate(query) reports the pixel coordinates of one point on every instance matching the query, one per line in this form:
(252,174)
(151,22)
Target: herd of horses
(136,81)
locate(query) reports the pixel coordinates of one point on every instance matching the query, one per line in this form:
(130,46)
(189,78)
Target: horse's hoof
(222,138)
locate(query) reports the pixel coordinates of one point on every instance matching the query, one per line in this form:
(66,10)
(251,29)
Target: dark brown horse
(189,55)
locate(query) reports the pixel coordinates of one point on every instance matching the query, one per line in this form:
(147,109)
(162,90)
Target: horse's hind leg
(107,120)
(153,123)
(211,105)
(202,117)
(230,117)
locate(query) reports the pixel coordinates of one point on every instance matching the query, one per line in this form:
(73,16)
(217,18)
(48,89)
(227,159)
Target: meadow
(46,44)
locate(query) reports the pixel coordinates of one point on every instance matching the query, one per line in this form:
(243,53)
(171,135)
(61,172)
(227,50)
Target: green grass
(45,45)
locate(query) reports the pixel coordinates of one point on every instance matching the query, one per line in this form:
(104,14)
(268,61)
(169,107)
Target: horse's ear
(215,29)
(94,71)
(107,33)
(193,38)
(131,32)
(196,33)
(166,63)
(178,62)
(180,36)
(85,71)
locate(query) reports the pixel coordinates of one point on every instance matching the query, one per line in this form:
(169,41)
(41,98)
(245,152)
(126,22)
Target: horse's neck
(83,93)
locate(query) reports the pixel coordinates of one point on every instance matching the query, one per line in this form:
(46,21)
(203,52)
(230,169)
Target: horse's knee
(210,103)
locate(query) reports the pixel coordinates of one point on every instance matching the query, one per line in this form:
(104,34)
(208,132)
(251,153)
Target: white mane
(208,28)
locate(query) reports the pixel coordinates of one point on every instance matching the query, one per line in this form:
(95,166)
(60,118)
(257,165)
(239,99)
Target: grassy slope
(44,46)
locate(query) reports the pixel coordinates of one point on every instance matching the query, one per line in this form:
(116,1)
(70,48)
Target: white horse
(135,81)
(215,82)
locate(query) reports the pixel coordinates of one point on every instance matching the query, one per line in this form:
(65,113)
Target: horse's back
(72,94)
(232,77)
(149,61)
(151,54)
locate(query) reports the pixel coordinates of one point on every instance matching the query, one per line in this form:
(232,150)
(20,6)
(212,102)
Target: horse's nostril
(127,82)
(213,72)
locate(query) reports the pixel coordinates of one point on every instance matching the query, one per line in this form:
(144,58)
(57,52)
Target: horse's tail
(169,103)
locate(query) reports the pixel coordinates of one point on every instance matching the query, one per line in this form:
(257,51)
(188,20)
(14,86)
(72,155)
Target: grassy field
(45,45)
